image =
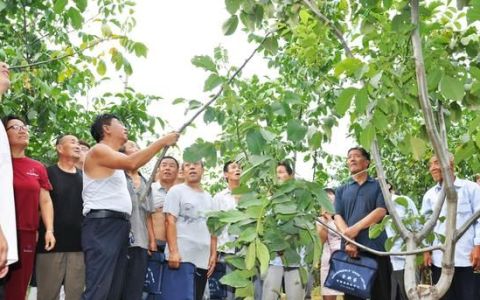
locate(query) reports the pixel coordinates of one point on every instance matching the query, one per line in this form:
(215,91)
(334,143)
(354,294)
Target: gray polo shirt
(138,219)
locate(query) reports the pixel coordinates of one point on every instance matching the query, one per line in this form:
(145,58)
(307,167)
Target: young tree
(405,75)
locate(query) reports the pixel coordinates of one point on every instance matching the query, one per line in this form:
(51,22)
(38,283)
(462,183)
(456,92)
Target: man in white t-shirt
(188,238)
(8,236)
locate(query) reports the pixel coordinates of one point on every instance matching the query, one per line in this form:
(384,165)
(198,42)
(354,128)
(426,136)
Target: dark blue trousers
(135,274)
(105,245)
(463,284)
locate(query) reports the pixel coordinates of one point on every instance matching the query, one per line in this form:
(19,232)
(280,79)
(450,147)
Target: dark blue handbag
(353,276)
(218,291)
(178,284)
(152,282)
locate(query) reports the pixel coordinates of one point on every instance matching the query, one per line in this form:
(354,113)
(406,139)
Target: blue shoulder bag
(353,276)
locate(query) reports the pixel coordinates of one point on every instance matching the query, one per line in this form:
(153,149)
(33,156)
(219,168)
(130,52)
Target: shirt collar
(458,183)
(369,179)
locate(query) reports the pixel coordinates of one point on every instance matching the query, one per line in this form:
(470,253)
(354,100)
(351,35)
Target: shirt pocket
(464,207)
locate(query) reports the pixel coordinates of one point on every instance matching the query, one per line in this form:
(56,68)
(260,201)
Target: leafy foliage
(59,51)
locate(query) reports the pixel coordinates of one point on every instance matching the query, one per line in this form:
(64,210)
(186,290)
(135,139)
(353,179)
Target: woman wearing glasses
(31,188)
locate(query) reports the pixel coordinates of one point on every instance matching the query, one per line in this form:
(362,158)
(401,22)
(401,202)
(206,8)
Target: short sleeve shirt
(158,193)
(138,218)
(190,207)
(353,202)
(7,202)
(29,176)
(224,201)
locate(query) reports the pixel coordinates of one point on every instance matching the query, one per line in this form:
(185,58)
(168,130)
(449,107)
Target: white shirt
(7,201)
(224,201)
(190,207)
(398,262)
(468,202)
(158,194)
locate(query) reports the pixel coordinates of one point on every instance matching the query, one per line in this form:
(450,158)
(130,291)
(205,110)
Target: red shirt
(28,177)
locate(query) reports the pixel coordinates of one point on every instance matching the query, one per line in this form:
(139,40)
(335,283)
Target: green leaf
(230,25)
(473,13)
(248,235)
(101,68)
(361,100)
(81,4)
(3,5)
(402,201)
(465,151)
(75,17)
(344,100)
(263,256)
(235,279)
(232,5)
(212,82)
(59,6)
(418,147)
(250,257)
(451,88)
(296,131)
(106,30)
(366,136)
(271,45)
(285,208)
(255,141)
(349,66)
(140,49)
(204,62)
(315,141)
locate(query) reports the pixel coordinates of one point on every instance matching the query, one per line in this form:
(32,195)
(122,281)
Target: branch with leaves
(199,111)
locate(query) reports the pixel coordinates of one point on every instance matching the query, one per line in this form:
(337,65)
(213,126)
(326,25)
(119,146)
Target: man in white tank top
(107,205)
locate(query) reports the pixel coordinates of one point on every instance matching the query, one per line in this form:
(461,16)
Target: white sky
(176,31)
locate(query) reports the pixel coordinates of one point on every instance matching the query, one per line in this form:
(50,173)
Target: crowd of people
(84,225)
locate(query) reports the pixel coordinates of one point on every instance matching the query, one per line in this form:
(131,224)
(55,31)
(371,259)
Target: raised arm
(107,157)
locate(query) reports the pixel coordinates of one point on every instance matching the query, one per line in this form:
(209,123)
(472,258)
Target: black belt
(106,213)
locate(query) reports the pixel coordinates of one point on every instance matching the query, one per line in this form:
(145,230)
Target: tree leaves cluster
(60,51)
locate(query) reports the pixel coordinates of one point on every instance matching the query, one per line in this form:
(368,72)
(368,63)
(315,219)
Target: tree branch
(428,226)
(44,62)
(376,252)
(337,32)
(469,222)
(441,151)
(203,108)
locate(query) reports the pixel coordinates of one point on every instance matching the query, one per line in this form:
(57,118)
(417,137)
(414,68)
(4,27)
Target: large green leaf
(251,256)
(344,100)
(263,256)
(452,88)
(367,135)
(76,18)
(235,279)
(230,25)
(204,62)
(232,6)
(212,82)
(418,147)
(296,131)
(255,141)
(59,6)
(81,4)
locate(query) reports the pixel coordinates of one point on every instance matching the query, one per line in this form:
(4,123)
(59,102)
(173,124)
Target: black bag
(353,276)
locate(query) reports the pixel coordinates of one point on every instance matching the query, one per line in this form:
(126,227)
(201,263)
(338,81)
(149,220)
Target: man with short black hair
(188,237)
(107,205)
(359,204)
(166,176)
(64,264)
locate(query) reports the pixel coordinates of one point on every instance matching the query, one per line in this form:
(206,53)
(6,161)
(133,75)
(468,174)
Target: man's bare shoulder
(101,149)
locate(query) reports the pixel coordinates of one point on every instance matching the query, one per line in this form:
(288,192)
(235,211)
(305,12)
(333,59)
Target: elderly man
(8,232)
(64,263)
(467,250)
(359,204)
